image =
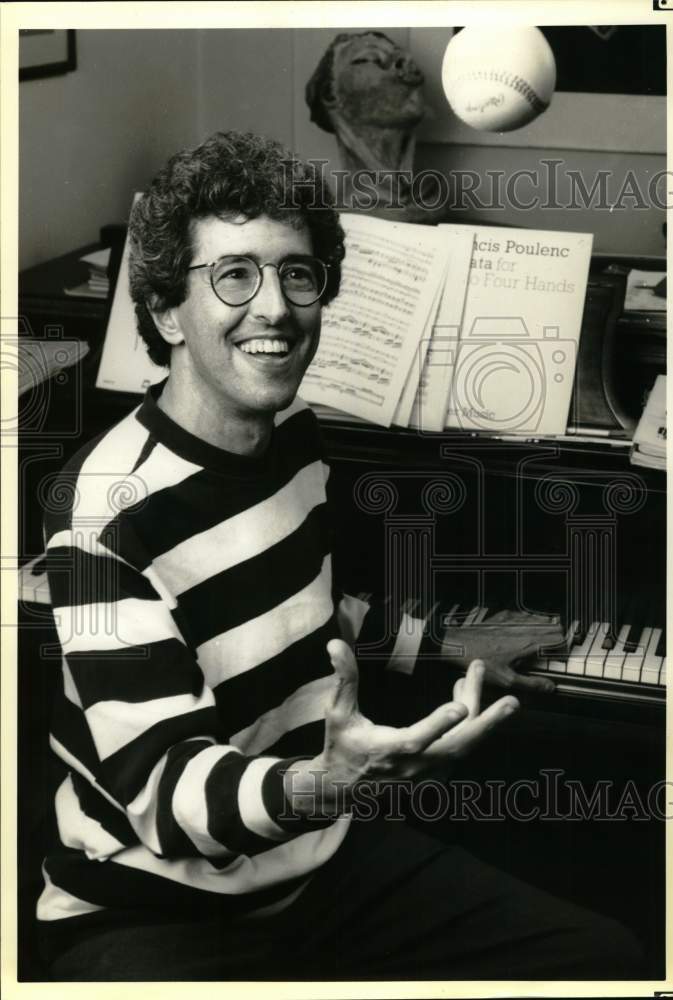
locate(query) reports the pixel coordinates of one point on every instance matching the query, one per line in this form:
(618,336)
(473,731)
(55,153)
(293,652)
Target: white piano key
(662,675)
(614,661)
(578,654)
(651,671)
(472,616)
(553,665)
(633,662)
(595,660)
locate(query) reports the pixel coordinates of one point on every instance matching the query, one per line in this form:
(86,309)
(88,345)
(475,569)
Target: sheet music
(414,378)
(125,364)
(432,390)
(516,357)
(371,332)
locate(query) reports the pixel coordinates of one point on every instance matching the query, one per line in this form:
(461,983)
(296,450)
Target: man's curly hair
(230,174)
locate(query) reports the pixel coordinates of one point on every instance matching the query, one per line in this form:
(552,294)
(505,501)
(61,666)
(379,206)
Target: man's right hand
(357,750)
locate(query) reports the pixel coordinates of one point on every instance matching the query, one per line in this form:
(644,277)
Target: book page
(371,332)
(434,386)
(516,358)
(414,377)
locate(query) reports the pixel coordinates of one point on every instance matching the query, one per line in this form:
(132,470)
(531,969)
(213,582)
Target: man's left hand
(503,642)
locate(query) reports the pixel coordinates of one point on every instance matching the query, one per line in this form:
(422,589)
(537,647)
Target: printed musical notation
(429,381)
(372,330)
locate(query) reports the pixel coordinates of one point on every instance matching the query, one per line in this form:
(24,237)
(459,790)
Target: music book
(467,327)
(471,327)
(515,358)
(372,331)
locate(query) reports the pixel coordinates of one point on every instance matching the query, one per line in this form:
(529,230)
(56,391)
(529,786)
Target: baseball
(500,78)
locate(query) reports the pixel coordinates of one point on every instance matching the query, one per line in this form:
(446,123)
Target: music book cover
(515,360)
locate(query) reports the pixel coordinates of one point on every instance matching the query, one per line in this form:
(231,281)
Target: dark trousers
(392,904)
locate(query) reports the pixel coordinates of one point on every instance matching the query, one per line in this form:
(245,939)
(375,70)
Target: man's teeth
(264,346)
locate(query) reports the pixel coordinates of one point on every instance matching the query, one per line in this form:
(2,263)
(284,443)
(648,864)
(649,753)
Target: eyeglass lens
(237,279)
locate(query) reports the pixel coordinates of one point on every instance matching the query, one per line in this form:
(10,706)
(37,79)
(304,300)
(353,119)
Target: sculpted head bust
(367,91)
(365,80)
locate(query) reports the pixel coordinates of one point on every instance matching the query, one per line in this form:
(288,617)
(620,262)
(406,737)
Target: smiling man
(210,757)
(234,368)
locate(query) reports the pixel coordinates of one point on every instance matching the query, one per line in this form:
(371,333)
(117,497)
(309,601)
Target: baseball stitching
(511,80)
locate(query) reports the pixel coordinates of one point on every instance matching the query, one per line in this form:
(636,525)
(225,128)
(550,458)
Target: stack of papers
(473,328)
(649,441)
(97,285)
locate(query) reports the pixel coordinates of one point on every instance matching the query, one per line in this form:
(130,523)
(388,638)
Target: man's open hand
(503,641)
(356,749)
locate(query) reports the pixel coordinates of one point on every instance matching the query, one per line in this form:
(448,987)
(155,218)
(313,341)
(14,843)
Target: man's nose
(269,303)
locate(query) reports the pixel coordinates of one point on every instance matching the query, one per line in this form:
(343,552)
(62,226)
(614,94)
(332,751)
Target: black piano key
(631,642)
(659,621)
(661,645)
(579,634)
(610,639)
(625,614)
(640,617)
(615,623)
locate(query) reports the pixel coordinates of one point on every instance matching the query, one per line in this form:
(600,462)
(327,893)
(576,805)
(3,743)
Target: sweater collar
(194,449)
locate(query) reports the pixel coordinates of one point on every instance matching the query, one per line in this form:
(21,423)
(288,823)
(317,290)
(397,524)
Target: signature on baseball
(491,102)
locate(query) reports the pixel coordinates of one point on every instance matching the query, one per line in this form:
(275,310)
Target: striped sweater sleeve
(138,721)
(390,633)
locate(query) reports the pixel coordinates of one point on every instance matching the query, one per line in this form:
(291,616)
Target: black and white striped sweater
(193,598)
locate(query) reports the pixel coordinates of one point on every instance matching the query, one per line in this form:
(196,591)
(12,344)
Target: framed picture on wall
(44,52)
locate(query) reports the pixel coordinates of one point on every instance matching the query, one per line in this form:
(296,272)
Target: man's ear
(168,325)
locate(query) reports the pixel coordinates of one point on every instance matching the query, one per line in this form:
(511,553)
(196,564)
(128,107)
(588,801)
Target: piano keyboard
(629,663)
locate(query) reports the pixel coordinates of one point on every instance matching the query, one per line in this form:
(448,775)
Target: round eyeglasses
(236,280)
